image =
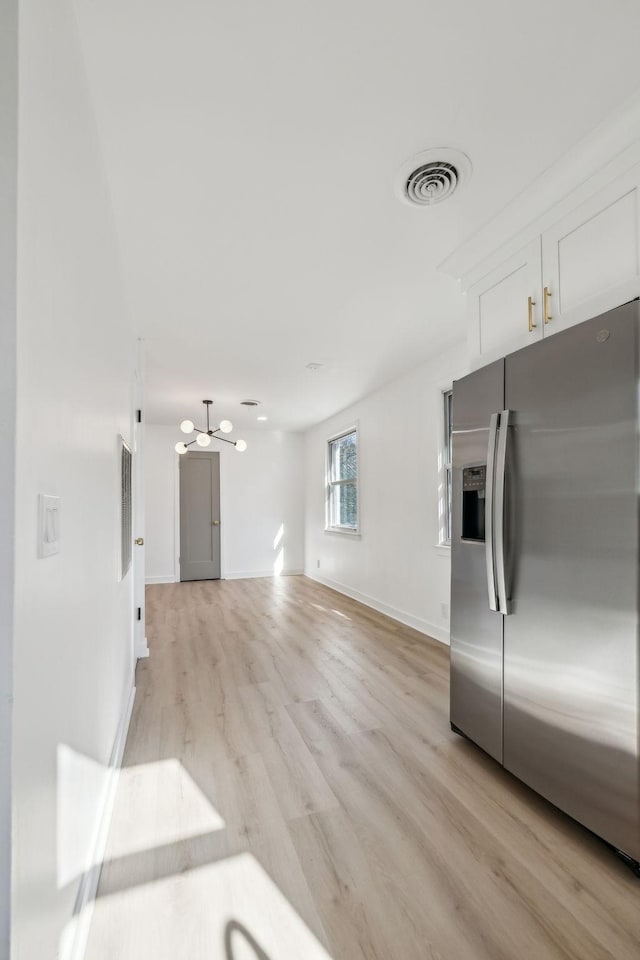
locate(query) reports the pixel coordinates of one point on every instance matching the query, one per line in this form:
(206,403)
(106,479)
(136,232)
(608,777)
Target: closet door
(200,516)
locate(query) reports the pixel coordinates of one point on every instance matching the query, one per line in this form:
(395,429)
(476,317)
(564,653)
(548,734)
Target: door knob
(139,541)
(215,523)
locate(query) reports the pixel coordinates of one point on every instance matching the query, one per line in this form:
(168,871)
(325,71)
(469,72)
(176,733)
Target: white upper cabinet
(591,257)
(584,264)
(504,306)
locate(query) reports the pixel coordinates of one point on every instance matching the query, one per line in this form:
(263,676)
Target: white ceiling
(251,149)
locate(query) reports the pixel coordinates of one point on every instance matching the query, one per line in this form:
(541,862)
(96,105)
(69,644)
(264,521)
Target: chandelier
(204,436)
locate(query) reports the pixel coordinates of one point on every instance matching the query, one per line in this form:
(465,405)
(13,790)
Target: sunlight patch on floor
(163,806)
(343,615)
(228,910)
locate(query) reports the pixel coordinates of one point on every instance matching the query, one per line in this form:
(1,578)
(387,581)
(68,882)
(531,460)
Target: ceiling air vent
(432,176)
(432,183)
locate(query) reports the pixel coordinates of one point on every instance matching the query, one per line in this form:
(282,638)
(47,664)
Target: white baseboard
(234,575)
(142,652)
(76,942)
(255,574)
(437,632)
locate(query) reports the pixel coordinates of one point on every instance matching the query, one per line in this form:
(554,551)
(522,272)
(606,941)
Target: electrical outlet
(318,562)
(444,610)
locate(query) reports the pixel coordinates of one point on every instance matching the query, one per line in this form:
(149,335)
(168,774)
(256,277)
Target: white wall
(73,618)
(161,522)
(395,564)
(8,190)
(260,491)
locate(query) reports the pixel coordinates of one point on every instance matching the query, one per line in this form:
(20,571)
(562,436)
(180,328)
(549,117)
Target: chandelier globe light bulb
(204,437)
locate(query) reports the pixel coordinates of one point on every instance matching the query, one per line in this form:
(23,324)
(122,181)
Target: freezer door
(476,630)
(571,641)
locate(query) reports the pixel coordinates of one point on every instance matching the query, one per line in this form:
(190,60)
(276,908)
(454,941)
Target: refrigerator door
(476,629)
(571,642)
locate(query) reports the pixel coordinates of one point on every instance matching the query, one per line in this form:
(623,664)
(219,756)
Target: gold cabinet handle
(547,297)
(139,541)
(215,523)
(532,304)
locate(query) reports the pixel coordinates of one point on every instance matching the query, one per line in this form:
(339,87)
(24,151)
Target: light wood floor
(292,791)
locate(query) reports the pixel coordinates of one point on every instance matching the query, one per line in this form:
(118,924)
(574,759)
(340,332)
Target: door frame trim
(138,515)
(176,518)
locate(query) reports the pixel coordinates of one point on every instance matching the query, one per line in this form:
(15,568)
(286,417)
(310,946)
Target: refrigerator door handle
(488,511)
(501,464)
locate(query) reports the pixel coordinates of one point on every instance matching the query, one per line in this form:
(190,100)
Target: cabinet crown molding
(609,150)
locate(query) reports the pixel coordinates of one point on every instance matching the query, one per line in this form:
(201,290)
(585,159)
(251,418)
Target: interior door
(476,630)
(570,643)
(200,516)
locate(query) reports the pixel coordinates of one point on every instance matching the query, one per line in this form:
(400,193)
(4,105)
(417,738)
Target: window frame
(447,465)
(330,484)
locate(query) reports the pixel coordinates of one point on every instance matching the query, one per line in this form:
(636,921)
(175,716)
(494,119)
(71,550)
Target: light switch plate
(48,525)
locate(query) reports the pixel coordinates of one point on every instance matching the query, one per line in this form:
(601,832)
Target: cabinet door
(500,319)
(591,257)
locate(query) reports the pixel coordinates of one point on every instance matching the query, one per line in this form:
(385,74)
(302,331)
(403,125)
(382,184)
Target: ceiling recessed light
(263,418)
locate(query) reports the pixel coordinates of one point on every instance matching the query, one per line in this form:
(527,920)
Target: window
(446,458)
(342,483)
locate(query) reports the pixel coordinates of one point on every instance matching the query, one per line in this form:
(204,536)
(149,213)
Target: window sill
(444,549)
(343,532)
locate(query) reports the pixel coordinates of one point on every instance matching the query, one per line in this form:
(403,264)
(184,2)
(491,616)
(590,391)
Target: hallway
(291,790)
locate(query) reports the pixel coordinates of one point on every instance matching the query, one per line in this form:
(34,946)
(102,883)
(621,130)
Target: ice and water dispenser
(474,480)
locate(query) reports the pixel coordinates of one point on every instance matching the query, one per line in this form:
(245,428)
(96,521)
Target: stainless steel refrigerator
(545,563)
